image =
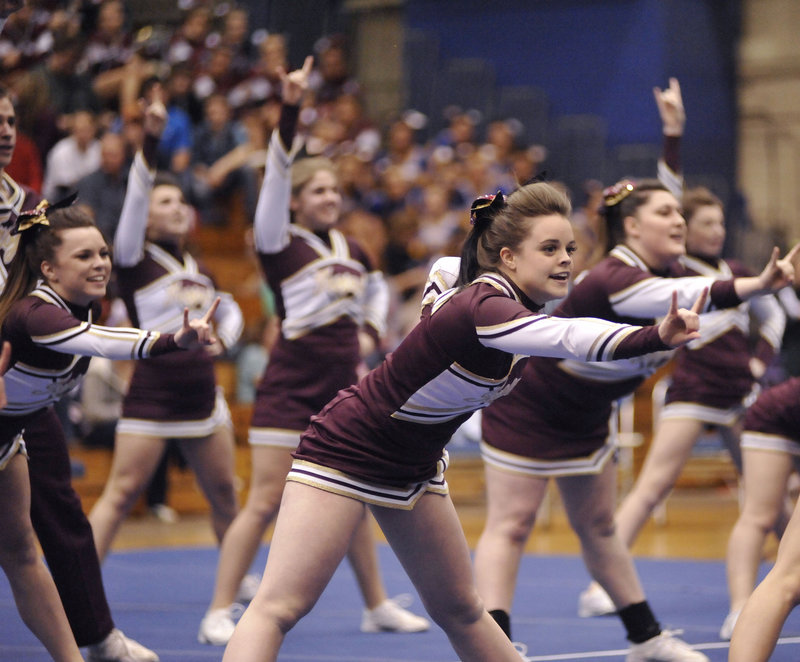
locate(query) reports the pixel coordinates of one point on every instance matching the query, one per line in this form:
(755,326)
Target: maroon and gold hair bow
(38,215)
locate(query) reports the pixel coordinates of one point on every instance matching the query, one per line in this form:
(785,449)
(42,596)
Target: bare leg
(242,539)
(671,447)
(431,546)
(765,476)
(766,610)
(33,588)
(589,502)
(312,535)
(212,461)
(512,502)
(135,459)
(363,558)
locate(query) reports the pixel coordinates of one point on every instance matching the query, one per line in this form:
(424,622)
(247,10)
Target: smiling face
(80,267)
(319,203)
(656,230)
(8,132)
(170,218)
(705,233)
(542,264)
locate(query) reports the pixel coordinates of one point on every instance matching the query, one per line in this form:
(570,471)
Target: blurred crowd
(79,74)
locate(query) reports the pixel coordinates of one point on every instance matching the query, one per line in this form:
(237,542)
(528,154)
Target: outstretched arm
(270,227)
(673,121)
(777,274)
(129,237)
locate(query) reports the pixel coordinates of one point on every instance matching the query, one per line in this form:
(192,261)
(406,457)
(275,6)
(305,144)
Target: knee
(283,615)
(263,504)
(456,612)
(514,526)
(18,551)
(601,525)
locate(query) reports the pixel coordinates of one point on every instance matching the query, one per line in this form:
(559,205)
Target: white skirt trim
(703,413)
(591,464)
(220,417)
(770,442)
(16,446)
(401,498)
(277,437)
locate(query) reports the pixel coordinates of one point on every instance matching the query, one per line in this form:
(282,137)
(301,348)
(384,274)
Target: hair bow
(38,215)
(486,206)
(618,192)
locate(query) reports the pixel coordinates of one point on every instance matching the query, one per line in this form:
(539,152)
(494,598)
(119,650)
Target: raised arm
(129,237)
(673,120)
(271,224)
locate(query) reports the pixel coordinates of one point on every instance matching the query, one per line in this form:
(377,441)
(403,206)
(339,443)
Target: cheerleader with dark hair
(55,508)
(55,281)
(556,422)
(380,444)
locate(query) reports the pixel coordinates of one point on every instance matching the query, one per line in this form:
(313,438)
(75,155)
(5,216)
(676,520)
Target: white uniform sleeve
(130,235)
(770,317)
(790,302)
(442,276)
(672,180)
(87,339)
(376,304)
(651,297)
(582,338)
(271,224)
(229,320)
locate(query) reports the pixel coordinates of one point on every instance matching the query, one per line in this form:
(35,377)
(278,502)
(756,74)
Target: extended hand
(199,331)
(681,325)
(670,108)
(779,272)
(295,84)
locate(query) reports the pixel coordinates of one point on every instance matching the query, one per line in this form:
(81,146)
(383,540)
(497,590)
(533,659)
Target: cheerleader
(332,304)
(556,422)
(381,444)
(55,281)
(771,446)
(173,396)
(55,509)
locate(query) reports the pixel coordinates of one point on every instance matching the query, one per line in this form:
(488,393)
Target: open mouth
(562,277)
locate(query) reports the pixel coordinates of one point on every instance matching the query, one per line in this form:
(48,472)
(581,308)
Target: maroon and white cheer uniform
(556,422)
(326,291)
(711,380)
(61,526)
(173,395)
(52,341)
(382,441)
(772,422)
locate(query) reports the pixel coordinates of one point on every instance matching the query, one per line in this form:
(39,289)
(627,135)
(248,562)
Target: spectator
(67,90)
(107,54)
(72,157)
(26,164)
(188,44)
(216,137)
(103,190)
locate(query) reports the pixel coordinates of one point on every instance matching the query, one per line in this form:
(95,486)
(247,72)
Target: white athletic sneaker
(666,647)
(594,601)
(726,631)
(116,647)
(218,625)
(390,616)
(248,588)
